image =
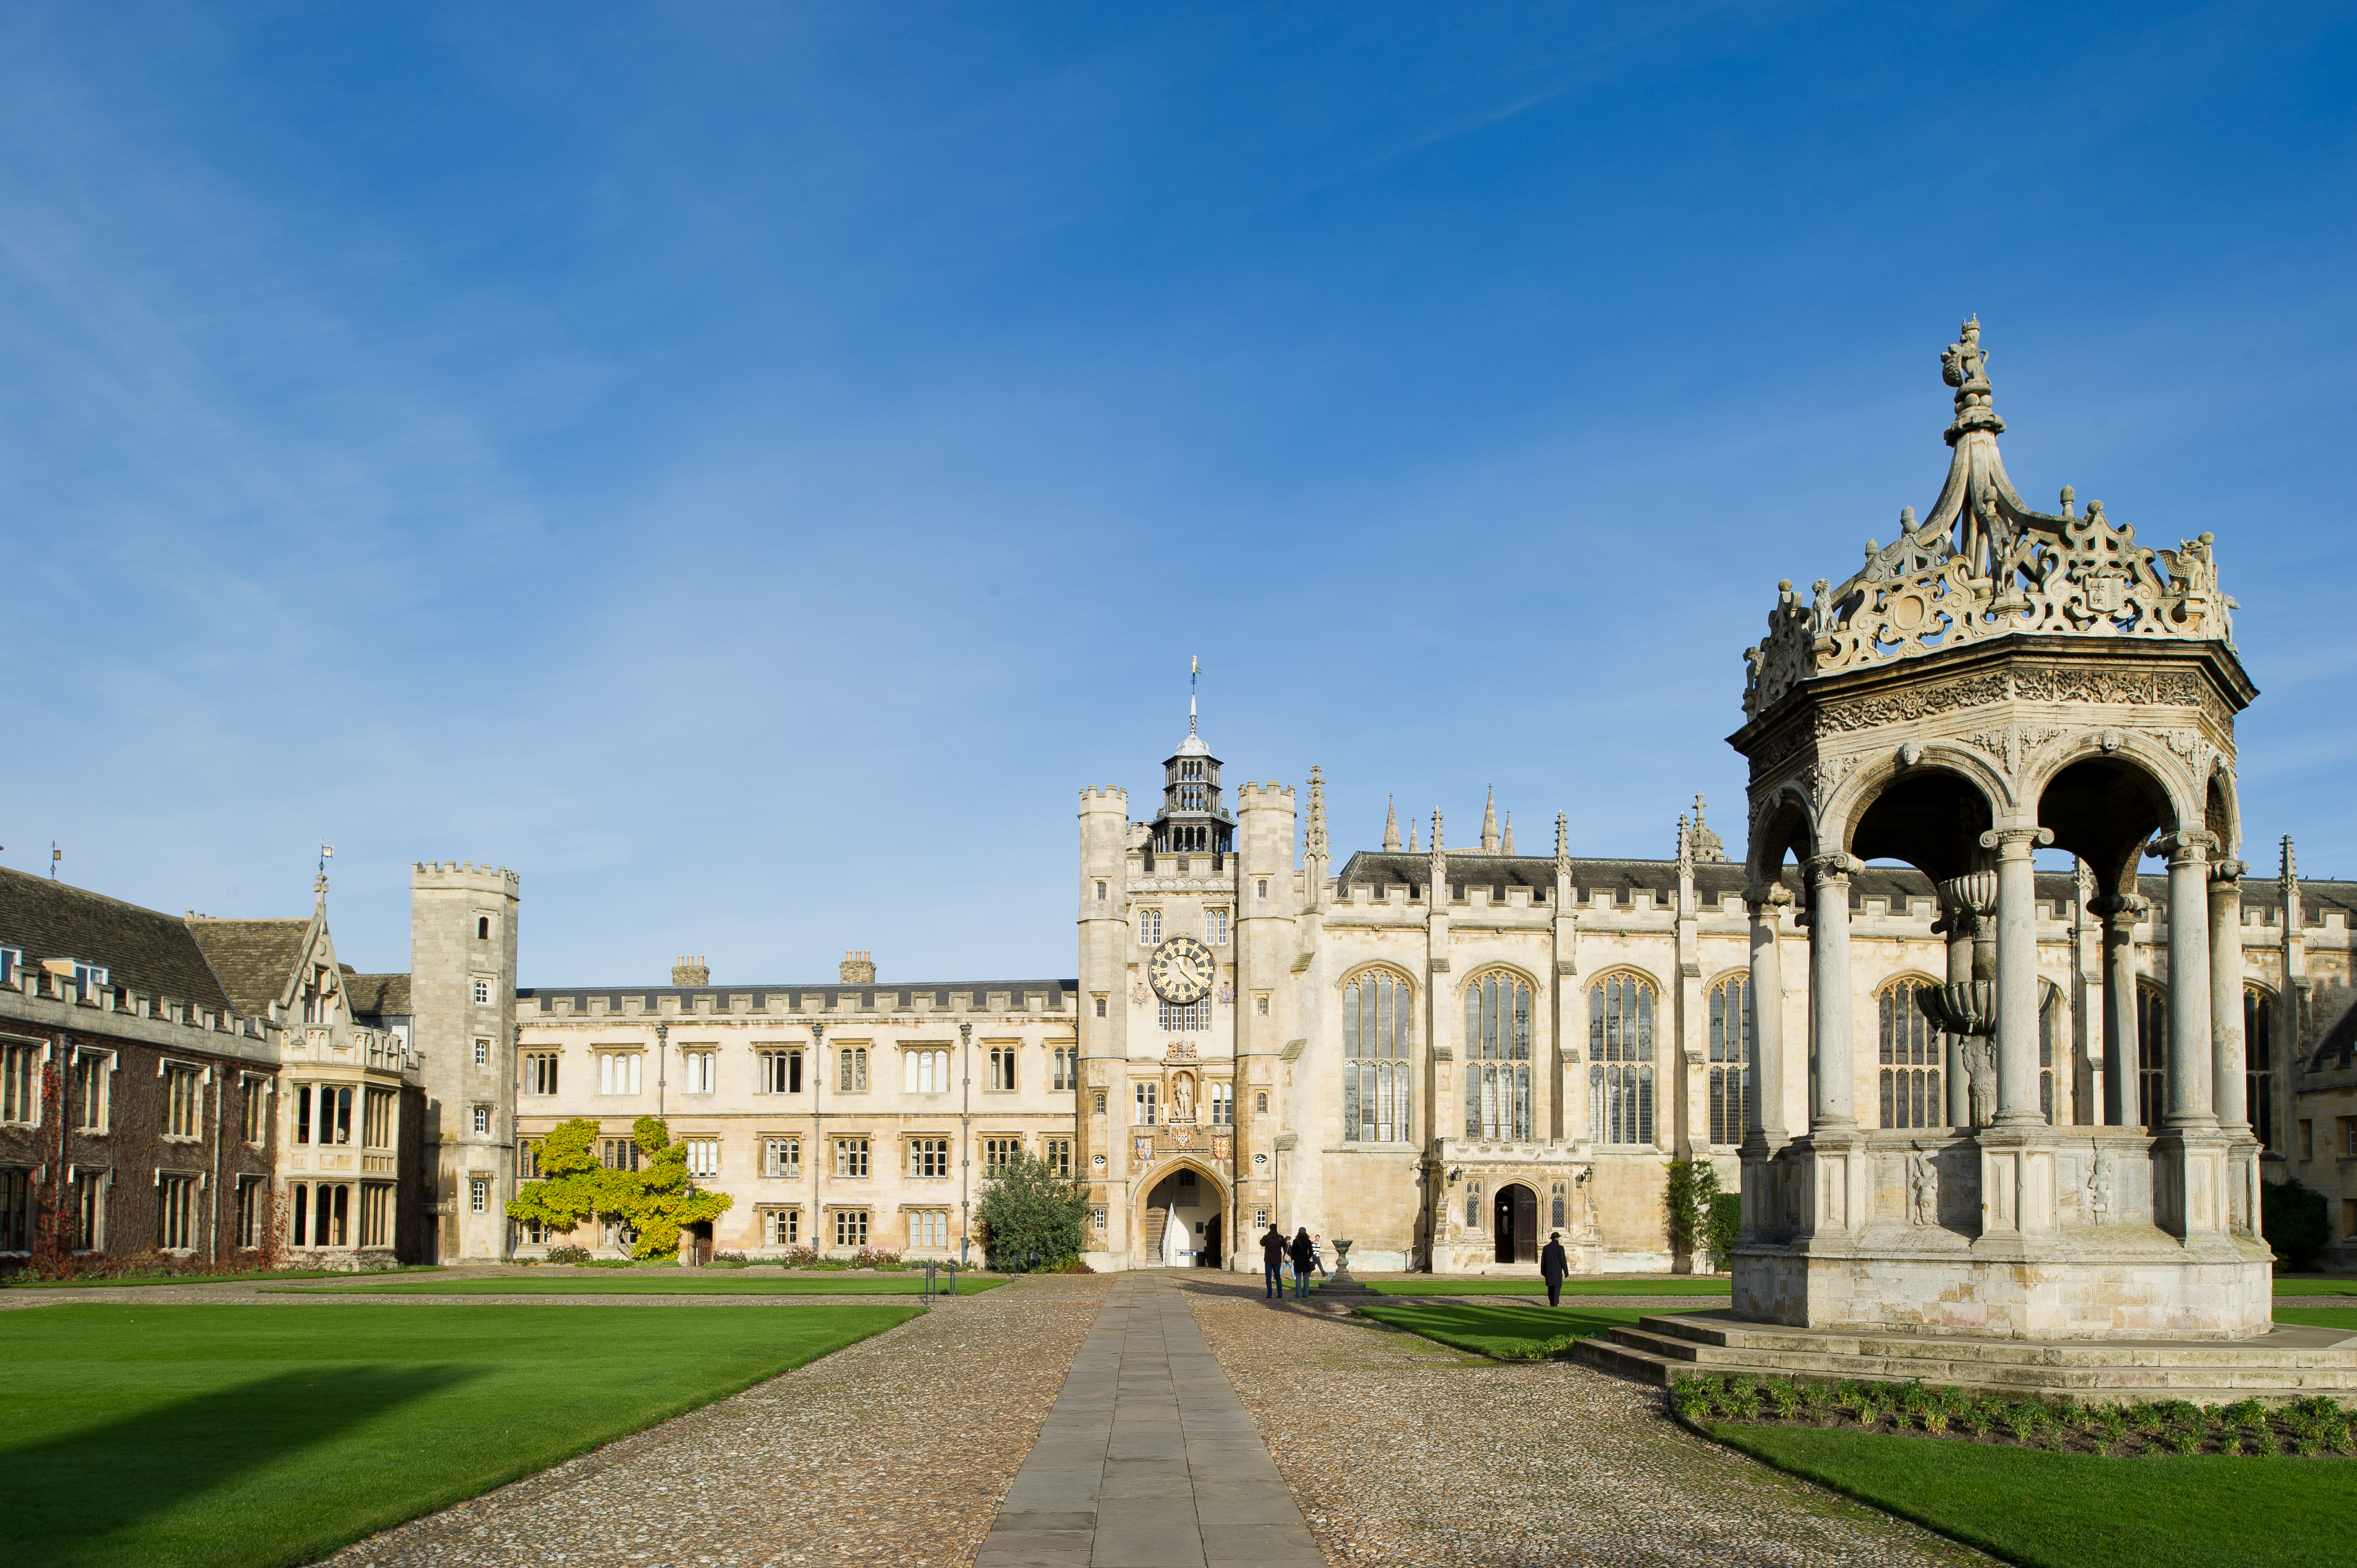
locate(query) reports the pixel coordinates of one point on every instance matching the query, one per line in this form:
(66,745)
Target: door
(1515,1224)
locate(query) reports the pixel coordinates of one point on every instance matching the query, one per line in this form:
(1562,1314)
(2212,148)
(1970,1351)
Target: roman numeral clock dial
(1181,971)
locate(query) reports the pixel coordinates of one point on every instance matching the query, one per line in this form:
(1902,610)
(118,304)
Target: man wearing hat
(1553,1266)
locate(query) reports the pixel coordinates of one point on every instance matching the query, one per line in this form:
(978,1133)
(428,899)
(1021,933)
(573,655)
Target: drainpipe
(818,1133)
(965,1143)
(221,1094)
(662,1054)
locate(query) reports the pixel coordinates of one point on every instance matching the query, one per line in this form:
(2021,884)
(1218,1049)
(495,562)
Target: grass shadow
(68,1498)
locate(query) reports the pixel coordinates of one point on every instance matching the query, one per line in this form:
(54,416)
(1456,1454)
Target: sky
(747,467)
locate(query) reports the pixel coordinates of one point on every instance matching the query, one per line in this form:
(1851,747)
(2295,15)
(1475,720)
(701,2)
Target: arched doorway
(1182,1225)
(1515,1223)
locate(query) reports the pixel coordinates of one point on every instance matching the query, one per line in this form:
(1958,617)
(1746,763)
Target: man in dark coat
(1303,1253)
(1272,1257)
(1554,1265)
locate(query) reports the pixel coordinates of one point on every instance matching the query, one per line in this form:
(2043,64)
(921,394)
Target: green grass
(222,1279)
(2343,1317)
(2343,1287)
(263,1435)
(2082,1510)
(669,1281)
(1495,1284)
(1514,1332)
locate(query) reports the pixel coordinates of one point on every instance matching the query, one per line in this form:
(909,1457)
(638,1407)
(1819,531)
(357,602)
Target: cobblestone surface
(894,1451)
(1400,1451)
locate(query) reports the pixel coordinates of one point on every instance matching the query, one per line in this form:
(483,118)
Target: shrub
(2293,1218)
(1693,1187)
(1690,1397)
(873,1258)
(1973,1418)
(729,1261)
(1742,1400)
(1029,1215)
(568,1254)
(800,1257)
(1726,1223)
(1782,1398)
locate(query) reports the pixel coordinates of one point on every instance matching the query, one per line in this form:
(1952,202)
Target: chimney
(858,968)
(691,972)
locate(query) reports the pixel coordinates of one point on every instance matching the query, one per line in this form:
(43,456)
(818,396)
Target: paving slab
(1149,1427)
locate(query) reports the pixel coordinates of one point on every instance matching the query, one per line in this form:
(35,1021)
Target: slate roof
(254,959)
(378,995)
(143,950)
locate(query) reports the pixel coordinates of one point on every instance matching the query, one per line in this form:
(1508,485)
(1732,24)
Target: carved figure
(1980,1079)
(2099,1190)
(1922,1190)
(1182,1096)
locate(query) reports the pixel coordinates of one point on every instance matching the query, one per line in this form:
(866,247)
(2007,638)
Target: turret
(462,962)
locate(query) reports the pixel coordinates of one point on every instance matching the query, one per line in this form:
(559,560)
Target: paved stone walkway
(1148,1459)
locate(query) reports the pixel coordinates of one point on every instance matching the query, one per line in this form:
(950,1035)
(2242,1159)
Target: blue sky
(747,467)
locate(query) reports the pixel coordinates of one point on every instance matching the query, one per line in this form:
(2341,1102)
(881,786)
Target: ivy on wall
(657,1200)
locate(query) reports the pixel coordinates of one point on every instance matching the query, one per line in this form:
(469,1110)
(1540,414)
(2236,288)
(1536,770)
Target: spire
(1317,812)
(1506,845)
(1686,847)
(1561,845)
(2289,872)
(1194,673)
(1391,825)
(1435,834)
(1707,845)
(1488,824)
(1412,847)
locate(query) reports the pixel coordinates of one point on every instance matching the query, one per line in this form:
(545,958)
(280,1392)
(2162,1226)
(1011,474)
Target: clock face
(1181,971)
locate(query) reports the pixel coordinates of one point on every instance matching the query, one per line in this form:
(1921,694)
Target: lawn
(1515,1333)
(2082,1510)
(669,1281)
(2320,1316)
(263,1435)
(1508,1284)
(2338,1287)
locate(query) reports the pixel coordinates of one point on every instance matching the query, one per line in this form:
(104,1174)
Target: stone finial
(857,968)
(1506,842)
(1708,846)
(319,891)
(1490,823)
(1436,833)
(1317,812)
(1413,848)
(1686,847)
(691,972)
(1562,845)
(1963,365)
(1391,825)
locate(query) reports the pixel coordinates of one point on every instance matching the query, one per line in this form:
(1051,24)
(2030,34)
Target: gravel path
(1400,1451)
(894,1451)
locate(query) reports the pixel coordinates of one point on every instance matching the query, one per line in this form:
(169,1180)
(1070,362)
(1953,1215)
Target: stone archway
(1514,1223)
(1199,1201)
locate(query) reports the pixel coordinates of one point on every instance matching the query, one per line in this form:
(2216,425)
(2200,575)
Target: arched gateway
(1515,1224)
(1184,1220)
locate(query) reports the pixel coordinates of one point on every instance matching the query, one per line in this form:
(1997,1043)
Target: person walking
(1552,1266)
(1318,1256)
(1272,1256)
(1304,1254)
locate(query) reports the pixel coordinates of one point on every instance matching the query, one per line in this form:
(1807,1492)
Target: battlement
(1272,796)
(467,875)
(1115,797)
(39,995)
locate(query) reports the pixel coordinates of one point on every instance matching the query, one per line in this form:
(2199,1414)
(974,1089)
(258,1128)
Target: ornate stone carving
(1922,1190)
(1985,564)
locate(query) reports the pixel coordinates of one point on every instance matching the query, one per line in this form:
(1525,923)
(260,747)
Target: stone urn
(1341,1258)
(1343,1283)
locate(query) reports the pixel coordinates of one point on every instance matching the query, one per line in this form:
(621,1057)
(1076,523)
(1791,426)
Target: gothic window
(1377,1029)
(1912,1060)
(16,1099)
(180,1100)
(2152,1056)
(619,1154)
(619,1072)
(1498,1058)
(1002,1067)
(2259,1064)
(1473,1206)
(781,1157)
(1147,1093)
(1730,1060)
(1067,1063)
(540,1072)
(852,1070)
(1224,1105)
(1621,1058)
(704,1156)
(1556,1223)
(1149,927)
(781,1072)
(176,1213)
(924,1071)
(1215,927)
(700,1067)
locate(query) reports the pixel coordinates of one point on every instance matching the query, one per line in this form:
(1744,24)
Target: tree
(657,1201)
(1693,1188)
(1030,1214)
(2296,1221)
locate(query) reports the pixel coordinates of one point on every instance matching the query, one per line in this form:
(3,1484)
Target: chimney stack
(858,968)
(691,972)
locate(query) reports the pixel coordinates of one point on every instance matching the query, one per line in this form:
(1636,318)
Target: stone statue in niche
(1922,1190)
(2099,1188)
(1182,1097)
(1980,1079)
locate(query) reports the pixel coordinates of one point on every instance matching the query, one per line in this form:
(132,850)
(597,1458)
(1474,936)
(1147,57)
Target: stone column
(2189,978)
(2226,1044)
(1764,1111)
(2017,974)
(2121,912)
(1830,1021)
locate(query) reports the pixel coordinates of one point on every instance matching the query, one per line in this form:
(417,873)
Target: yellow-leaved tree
(657,1201)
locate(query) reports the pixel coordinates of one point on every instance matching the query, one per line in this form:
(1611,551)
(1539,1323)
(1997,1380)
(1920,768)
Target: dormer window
(89,980)
(13,958)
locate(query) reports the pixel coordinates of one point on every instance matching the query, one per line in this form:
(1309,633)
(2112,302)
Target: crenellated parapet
(1985,564)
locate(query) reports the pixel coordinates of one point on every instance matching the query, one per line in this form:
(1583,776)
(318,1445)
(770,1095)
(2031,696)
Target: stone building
(856,1114)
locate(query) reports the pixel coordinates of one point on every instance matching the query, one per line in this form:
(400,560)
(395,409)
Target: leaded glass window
(1730,1057)
(1913,1057)
(2259,1064)
(1498,1058)
(1378,1026)
(2050,1024)
(1621,1058)
(2152,1056)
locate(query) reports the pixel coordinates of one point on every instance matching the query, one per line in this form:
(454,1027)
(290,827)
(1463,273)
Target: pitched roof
(254,959)
(144,949)
(378,995)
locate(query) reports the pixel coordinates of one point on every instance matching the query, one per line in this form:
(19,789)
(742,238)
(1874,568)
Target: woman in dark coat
(1302,1253)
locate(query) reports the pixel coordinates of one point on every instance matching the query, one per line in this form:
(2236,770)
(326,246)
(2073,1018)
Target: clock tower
(1161,929)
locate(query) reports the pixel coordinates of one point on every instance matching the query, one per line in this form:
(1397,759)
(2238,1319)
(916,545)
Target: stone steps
(2286,1363)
